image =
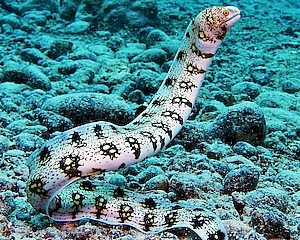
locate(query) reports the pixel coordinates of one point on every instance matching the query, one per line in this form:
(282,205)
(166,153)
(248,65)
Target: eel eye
(225,12)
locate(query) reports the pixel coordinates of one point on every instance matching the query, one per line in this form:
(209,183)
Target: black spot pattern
(199,53)
(162,142)
(125,212)
(98,170)
(148,114)
(170,81)
(164,127)
(149,220)
(219,235)
(77,200)
(173,115)
(151,138)
(140,123)
(69,164)
(222,34)
(182,100)
(204,36)
(206,55)
(195,49)
(98,131)
(119,193)
(122,165)
(44,156)
(36,186)
(100,205)
(114,129)
(181,54)
(199,220)
(187,85)
(57,205)
(158,102)
(135,146)
(194,69)
(149,203)
(87,186)
(77,140)
(109,149)
(171,218)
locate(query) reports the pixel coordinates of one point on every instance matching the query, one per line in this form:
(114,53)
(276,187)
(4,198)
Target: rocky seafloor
(66,63)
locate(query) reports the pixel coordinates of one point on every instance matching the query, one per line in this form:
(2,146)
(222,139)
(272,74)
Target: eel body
(58,183)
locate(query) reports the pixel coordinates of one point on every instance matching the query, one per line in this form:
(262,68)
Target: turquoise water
(67,63)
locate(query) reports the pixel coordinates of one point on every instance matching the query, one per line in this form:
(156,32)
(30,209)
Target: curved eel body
(58,185)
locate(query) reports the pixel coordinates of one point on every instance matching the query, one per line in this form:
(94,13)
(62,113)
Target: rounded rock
(11,19)
(268,197)
(186,185)
(147,80)
(291,85)
(117,179)
(156,36)
(30,75)
(33,55)
(242,122)
(87,107)
(245,149)
(27,141)
(78,27)
(37,18)
(4,144)
(252,90)
(218,150)
(272,223)
(244,179)
(149,173)
(288,179)
(115,43)
(23,216)
(225,97)
(156,55)
(136,96)
(59,48)
(159,182)
(54,122)
(35,78)
(277,99)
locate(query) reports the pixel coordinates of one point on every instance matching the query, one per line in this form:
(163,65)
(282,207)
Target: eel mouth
(234,16)
(233,19)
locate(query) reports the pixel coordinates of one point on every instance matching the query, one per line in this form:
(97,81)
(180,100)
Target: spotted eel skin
(58,183)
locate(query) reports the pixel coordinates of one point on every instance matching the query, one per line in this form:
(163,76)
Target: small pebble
(252,90)
(149,173)
(186,185)
(156,55)
(118,180)
(245,149)
(156,36)
(78,27)
(291,85)
(159,182)
(59,48)
(243,179)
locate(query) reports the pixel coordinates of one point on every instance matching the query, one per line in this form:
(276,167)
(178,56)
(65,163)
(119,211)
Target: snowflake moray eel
(58,185)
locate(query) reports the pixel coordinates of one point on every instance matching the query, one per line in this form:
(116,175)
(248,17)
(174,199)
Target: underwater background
(69,62)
